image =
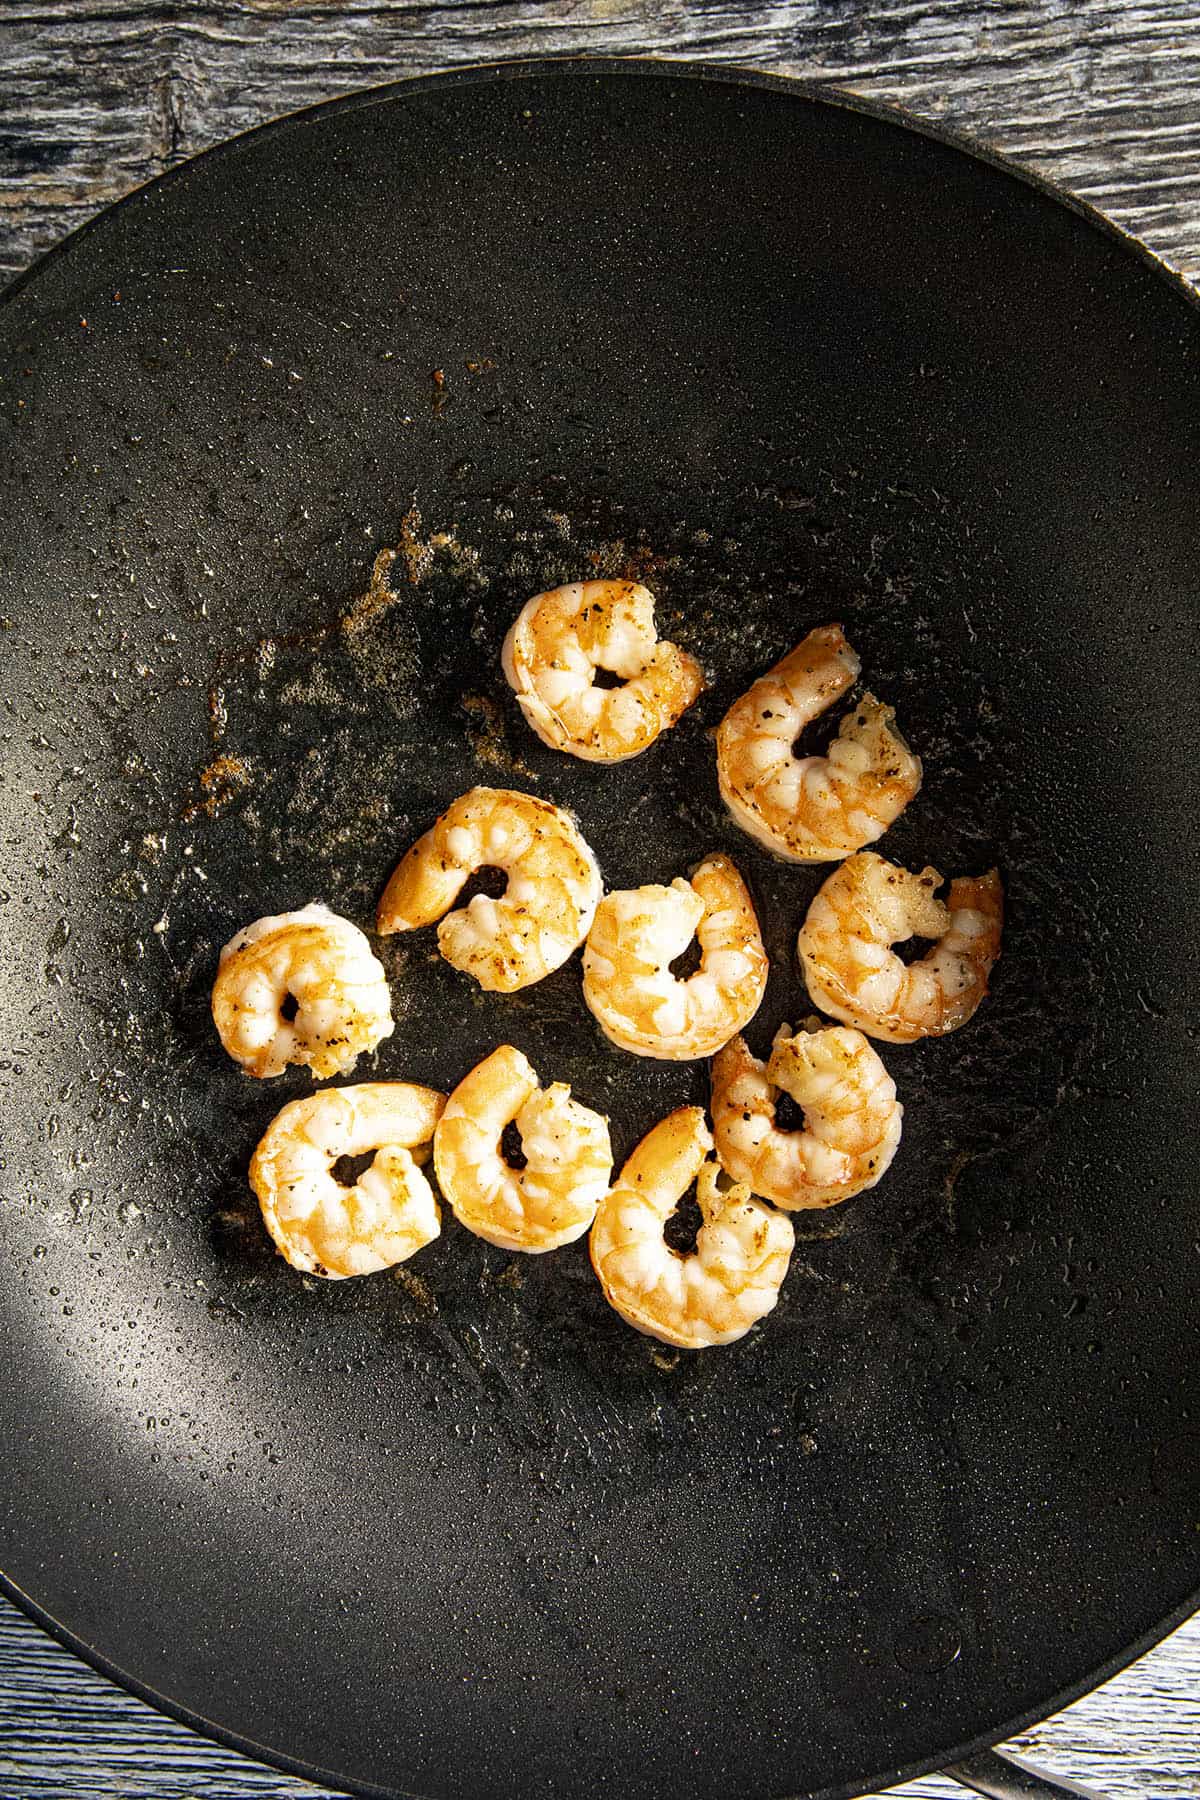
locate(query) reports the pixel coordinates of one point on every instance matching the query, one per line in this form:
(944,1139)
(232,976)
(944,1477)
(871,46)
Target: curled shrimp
(637,934)
(742,1249)
(300,987)
(852,1117)
(558,641)
(386,1215)
(868,905)
(813,808)
(545,910)
(549,1202)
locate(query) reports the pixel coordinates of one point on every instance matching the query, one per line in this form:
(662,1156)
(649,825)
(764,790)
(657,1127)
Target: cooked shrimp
(868,905)
(851,1116)
(388,1214)
(544,912)
(549,1202)
(558,641)
(637,934)
(742,1249)
(813,808)
(300,987)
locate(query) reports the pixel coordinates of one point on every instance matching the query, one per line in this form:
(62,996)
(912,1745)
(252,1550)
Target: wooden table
(100,95)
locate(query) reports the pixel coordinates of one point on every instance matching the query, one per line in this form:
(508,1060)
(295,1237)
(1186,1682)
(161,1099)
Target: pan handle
(1005,1777)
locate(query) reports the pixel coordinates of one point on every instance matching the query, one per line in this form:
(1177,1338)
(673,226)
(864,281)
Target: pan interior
(456,1529)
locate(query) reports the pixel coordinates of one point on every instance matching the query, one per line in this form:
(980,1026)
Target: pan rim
(880,1779)
(737,77)
(888,1777)
(584,63)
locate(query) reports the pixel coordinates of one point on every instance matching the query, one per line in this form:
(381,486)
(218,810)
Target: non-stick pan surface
(457,1530)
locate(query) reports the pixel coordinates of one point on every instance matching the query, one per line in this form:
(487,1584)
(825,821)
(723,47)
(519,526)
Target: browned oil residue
(630,562)
(489,741)
(380,595)
(421,1295)
(511,1276)
(415,556)
(218,713)
(224,778)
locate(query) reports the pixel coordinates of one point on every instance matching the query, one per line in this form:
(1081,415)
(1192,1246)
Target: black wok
(459,1531)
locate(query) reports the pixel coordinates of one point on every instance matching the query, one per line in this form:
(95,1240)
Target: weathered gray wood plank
(97,96)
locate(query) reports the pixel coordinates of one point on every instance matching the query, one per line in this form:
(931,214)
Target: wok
(789,358)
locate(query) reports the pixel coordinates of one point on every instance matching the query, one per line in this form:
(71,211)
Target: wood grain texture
(97,96)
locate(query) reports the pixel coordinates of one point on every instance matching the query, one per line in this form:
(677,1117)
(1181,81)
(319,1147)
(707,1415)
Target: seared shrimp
(387,1215)
(851,1116)
(868,905)
(742,1250)
(549,1202)
(544,912)
(300,987)
(558,641)
(638,932)
(813,808)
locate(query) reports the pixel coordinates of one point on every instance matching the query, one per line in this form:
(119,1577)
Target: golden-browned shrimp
(544,912)
(637,934)
(813,808)
(300,987)
(387,1215)
(868,905)
(851,1116)
(733,1276)
(559,640)
(552,1200)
